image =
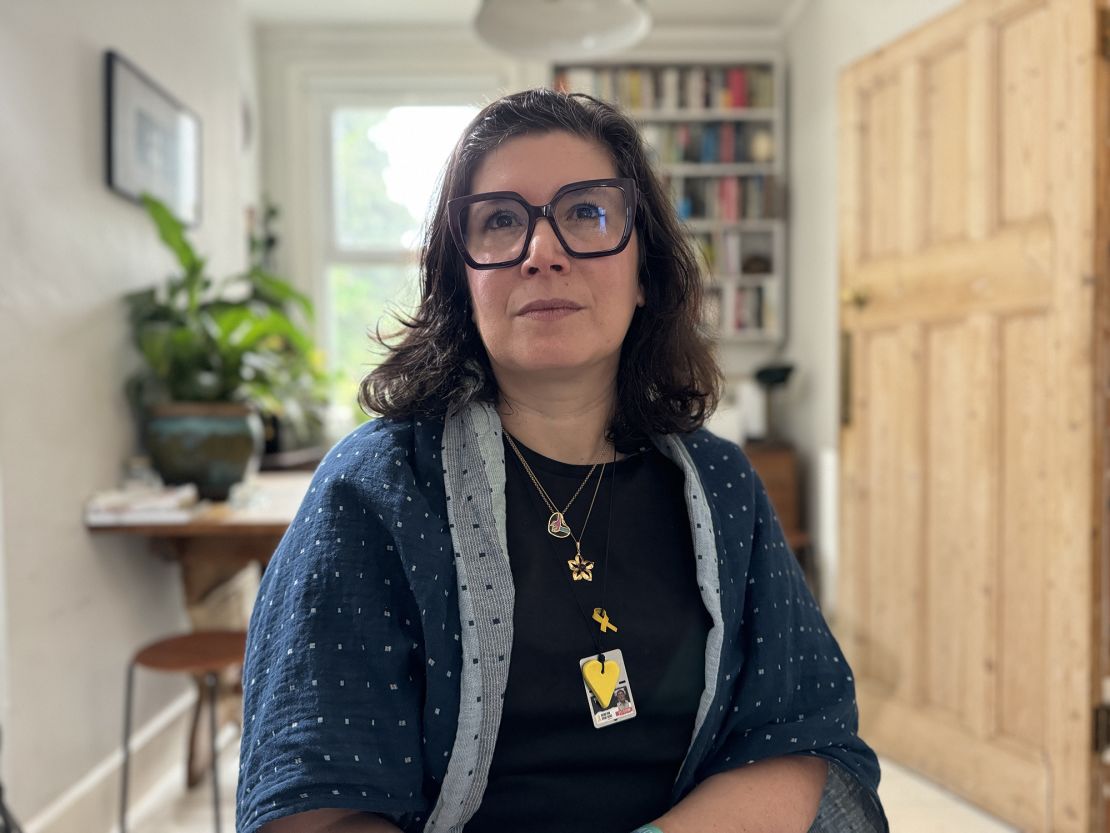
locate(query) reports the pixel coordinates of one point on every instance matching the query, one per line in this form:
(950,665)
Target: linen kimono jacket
(380,641)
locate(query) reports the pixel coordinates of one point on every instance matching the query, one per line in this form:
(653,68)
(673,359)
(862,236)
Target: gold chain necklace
(557,523)
(580,569)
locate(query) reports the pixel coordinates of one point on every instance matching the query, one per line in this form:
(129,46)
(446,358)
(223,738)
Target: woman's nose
(545,252)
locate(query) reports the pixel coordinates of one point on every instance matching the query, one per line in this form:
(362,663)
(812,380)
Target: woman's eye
(585,211)
(501,219)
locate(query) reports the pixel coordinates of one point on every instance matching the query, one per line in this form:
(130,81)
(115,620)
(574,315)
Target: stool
(204,653)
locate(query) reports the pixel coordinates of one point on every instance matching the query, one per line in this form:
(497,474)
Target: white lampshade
(562,30)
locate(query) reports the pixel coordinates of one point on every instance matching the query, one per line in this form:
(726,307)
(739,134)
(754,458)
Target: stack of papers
(159,505)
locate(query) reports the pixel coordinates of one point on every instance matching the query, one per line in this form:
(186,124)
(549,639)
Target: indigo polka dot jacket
(379,644)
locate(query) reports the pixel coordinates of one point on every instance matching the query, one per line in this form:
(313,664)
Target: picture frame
(152,141)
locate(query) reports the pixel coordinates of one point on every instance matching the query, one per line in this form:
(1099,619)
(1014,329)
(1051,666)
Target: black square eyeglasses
(593,218)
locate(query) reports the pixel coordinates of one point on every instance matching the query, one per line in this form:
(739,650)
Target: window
(384,169)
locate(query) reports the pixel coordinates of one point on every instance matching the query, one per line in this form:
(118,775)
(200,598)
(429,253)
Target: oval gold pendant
(557,525)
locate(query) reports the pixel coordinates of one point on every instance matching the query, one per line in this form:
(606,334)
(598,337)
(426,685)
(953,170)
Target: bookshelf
(716,131)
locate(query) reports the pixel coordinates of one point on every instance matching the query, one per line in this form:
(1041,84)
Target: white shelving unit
(717,130)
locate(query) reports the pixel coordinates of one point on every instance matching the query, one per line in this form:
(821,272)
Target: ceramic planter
(212,444)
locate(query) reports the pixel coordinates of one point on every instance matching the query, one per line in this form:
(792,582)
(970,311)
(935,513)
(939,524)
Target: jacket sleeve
(794,692)
(333,680)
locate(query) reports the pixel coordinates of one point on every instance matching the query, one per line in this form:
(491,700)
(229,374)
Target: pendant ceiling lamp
(562,30)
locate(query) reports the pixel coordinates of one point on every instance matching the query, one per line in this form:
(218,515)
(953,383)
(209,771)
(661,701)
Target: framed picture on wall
(152,140)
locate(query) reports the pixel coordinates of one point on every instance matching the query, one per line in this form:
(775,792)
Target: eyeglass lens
(590,219)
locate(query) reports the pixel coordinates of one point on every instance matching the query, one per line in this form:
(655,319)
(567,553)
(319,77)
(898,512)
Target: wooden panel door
(974,278)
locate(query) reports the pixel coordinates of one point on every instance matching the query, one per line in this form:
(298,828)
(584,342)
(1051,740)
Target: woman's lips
(549,310)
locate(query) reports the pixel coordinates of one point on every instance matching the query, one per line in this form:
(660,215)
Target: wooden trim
(911,190)
(1071,622)
(982,164)
(1101,435)
(983,469)
(946,282)
(913,466)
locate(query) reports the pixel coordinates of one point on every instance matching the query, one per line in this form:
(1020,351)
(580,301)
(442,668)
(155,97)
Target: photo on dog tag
(608,693)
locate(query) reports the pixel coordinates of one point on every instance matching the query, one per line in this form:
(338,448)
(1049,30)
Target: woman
(538,520)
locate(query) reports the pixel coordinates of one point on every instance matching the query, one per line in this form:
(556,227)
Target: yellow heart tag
(602,681)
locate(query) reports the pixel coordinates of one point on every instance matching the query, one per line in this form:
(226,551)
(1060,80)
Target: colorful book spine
(717,83)
(694,145)
(649,90)
(682,141)
(695,89)
(748,308)
(710,143)
(727,150)
(669,79)
(634,94)
(738,87)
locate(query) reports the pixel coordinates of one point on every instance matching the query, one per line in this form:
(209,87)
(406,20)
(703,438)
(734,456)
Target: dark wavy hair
(667,381)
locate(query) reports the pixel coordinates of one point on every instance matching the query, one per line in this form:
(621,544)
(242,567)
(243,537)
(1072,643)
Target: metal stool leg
(213,704)
(126,747)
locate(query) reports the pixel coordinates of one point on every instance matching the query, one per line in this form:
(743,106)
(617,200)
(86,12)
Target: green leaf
(172,232)
(277,292)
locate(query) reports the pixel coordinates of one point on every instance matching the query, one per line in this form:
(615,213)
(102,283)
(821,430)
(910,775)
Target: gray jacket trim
(708,572)
(474,477)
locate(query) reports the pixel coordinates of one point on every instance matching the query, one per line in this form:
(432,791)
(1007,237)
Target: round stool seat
(198,653)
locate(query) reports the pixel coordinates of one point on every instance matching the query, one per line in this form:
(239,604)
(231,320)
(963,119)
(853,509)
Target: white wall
(77,605)
(823,39)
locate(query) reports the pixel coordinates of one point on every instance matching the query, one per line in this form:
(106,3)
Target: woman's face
(552,313)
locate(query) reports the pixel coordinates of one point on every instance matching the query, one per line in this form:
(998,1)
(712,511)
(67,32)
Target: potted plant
(299,425)
(216,356)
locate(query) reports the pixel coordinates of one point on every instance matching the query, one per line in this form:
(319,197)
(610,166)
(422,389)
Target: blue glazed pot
(212,444)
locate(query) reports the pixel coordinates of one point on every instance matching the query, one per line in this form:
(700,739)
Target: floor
(913,805)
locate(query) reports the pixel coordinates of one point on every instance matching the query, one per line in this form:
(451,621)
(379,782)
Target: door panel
(972,479)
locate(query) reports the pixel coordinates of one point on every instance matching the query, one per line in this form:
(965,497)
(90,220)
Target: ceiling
(755,13)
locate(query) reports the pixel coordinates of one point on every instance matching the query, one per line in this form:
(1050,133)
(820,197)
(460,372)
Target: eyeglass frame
(456,206)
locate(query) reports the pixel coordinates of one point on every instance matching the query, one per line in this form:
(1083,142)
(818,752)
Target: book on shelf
(761,91)
(706,252)
(718,89)
(674,88)
(738,87)
(630,89)
(725,199)
(695,89)
(727,146)
(710,144)
(668,84)
(748,308)
(732,199)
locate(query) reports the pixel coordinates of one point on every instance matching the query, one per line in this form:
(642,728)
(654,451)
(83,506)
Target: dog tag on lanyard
(608,693)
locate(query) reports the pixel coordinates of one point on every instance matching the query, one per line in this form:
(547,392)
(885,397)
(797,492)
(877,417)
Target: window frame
(324,250)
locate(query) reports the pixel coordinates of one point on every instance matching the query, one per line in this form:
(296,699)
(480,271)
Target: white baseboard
(157,774)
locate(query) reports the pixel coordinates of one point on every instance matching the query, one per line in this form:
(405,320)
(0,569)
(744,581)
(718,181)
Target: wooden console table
(213,546)
(778,467)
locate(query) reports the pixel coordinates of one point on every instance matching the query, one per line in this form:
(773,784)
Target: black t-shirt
(552,771)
